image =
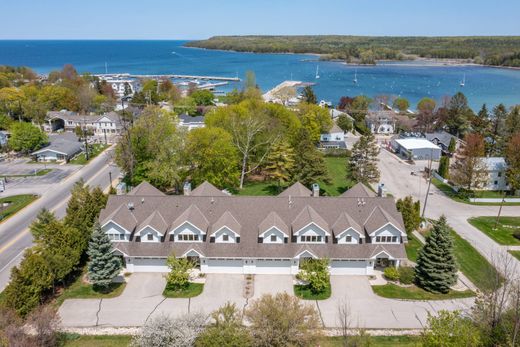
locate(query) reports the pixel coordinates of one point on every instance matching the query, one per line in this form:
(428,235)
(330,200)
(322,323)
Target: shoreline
(419,62)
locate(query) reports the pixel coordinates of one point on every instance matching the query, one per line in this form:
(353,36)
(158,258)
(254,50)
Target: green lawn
(393,291)
(17,202)
(377,341)
(448,191)
(505,228)
(41,172)
(479,271)
(94,152)
(193,289)
(337,168)
(413,247)
(74,340)
(80,290)
(515,254)
(305,293)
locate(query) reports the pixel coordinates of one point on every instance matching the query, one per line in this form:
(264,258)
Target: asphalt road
(14,233)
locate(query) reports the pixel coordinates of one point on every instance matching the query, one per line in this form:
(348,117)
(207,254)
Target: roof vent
(142,200)
(130,206)
(212,200)
(361,202)
(290,201)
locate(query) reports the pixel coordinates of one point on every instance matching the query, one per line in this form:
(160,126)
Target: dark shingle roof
(359,190)
(378,218)
(207,189)
(307,216)
(227,220)
(273,220)
(345,222)
(194,216)
(155,221)
(297,189)
(145,189)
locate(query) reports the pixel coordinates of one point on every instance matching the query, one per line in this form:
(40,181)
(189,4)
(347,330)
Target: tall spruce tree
(363,161)
(436,269)
(444,167)
(103,265)
(309,163)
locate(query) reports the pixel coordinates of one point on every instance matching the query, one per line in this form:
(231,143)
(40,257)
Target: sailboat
(317,72)
(355,77)
(463,82)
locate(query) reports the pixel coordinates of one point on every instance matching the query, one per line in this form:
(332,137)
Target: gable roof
(227,220)
(123,217)
(307,216)
(359,190)
(379,218)
(345,222)
(297,189)
(273,220)
(194,216)
(145,189)
(207,189)
(61,145)
(155,221)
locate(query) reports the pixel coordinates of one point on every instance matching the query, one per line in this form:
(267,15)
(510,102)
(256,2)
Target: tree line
(489,50)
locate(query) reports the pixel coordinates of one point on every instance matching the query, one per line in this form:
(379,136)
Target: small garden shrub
(406,274)
(516,234)
(391,274)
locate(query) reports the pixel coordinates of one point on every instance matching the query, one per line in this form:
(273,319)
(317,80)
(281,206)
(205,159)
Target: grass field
(505,228)
(41,172)
(337,168)
(448,191)
(377,341)
(193,289)
(80,290)
(73,340)
(94,152)
(393,291)
(412,248)
(515,254)
(304,292)
(17,202)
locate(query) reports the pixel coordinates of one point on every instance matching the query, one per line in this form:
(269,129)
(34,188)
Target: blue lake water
(410,80)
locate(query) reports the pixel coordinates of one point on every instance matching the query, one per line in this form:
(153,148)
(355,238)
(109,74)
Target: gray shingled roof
(207,189)
(307,216)
(229,221)
(378,218)
(297,189)
(155,221)
(145,189)
(194,216)
(273,220)
(345,222)
(359,190)
(250,212)
(123,217)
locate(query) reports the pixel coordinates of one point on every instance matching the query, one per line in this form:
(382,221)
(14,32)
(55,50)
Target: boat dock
(175,76)
(271,96)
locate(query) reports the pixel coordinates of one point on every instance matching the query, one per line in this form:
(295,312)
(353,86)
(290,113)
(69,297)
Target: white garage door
(348,267)
(229,266)
(150,265)
(273,266)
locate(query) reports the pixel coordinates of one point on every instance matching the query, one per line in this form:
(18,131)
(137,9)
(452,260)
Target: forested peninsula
(486,50)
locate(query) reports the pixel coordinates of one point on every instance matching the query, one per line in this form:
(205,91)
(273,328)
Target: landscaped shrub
(406,274)
(391,274)
(516,234)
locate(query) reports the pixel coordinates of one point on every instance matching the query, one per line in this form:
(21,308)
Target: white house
(381,122)
(496,167)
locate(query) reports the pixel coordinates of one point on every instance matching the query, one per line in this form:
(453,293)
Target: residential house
(105,125)
(334,138)
(381,122)
(357,231)
(496,167)
(443,139)
(191,122)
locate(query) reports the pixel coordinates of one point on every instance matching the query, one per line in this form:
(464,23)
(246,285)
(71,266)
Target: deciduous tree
(344,123)
(316,273)
(280,163)
(178,277)
(26,137)
(450,328)
(469,170)
(401,104)
(512,156)
(283,320)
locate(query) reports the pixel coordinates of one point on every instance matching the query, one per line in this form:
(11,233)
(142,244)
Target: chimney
(187,188)
(381,190)
(315,190)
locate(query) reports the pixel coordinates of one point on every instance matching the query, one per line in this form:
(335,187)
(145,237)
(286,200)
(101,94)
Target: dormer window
(150,237)
(187,237)
(311,238)
(273,238)
(348,238)
(225,238)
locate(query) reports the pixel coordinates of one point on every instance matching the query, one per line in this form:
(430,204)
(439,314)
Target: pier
(271,96)
(158,77)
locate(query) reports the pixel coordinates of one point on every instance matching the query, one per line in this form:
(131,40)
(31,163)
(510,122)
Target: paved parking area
(142,299)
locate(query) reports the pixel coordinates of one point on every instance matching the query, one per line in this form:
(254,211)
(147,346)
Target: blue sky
(192,19)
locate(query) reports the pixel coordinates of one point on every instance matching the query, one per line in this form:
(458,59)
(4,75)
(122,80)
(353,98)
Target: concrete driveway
(371,311)
(272,284)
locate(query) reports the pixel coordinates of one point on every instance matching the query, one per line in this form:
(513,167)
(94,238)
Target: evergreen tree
(498,129)
(480,123)
(436,269)
(309,96)
(444,167)
(513,120)
(363,160)
(103,265)
(512,155)
(309,165)
(280,163)
(452,146)
(459,115)
(411,212)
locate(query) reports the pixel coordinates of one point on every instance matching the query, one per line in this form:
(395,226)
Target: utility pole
(87,157)
(429,183)
(500,209)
